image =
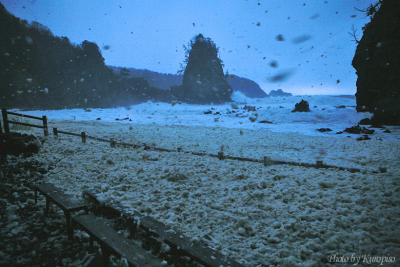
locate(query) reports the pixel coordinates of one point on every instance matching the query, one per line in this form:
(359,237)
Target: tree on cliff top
(203,79)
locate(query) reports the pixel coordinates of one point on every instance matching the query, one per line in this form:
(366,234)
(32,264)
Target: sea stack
(204,80)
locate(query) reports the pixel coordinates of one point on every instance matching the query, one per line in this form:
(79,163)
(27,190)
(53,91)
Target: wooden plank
(98,139)
(199,153)
(5,121)
(24,115)
(97,227)
(163,149)
(25,124)
(69,133)
(123,144)
(242,159)
(59,198)
(83,137)
(45,126)
(198,252)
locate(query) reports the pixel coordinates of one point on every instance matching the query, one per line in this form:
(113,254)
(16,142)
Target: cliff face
(203,80)
(246,86)
(377,62)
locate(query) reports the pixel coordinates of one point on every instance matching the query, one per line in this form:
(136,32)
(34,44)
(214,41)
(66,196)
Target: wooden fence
(7,122)
(266,161)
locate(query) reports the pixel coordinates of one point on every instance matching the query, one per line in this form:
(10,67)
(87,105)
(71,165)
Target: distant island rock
(165,81)
(279,92)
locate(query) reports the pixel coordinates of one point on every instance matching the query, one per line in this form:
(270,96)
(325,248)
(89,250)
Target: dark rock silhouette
(265,121)
(278,92)
(357,129)
(324,130)
(302,106)
(203,79)
(366,121)
(363,138)
(377,62)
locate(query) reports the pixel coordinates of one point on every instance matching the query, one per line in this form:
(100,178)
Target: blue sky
(151,33)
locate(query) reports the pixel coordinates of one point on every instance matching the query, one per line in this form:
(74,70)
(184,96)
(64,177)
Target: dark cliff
(377,62)
(40,70)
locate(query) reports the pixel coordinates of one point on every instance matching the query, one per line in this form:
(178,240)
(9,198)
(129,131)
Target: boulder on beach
(357,129)
(265,121)
(324,130)
(302,106)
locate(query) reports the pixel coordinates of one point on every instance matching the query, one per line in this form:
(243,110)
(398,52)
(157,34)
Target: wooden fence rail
(266,161)
(220,155)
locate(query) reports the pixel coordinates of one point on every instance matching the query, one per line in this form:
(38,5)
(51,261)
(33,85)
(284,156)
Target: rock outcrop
(302,106)
(377,62)
(204,80)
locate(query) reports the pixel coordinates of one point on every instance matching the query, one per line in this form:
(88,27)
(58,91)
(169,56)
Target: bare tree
(353,34)
(371,9)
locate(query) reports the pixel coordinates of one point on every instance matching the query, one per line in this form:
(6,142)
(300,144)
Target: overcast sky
(315,49)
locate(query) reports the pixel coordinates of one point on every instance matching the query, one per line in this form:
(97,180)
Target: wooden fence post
(112,142)
(319,163)
(1,128)
(221,153)
(266,161)
(55,132)
(45,127)
(5,121)
(83,136)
